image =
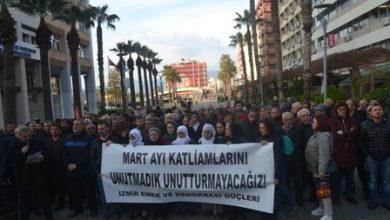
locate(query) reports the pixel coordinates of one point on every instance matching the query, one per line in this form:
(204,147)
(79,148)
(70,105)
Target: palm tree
(238,40)
(307,23)
(120,50)
(144,52)
(171,76)
(71,16)
(245,19)
(227,70)
(277,46)
(254,22)
(156,61)
(130,65)
(138,63)
(99,16)
(150,56)
(42,9)
(8,39)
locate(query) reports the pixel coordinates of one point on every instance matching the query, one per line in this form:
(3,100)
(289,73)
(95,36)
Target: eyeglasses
(219,127)
(341,109)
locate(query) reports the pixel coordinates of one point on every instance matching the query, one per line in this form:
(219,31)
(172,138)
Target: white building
(28,75)
(355,24)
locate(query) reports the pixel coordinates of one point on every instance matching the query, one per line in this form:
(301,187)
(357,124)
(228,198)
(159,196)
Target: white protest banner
(239,174)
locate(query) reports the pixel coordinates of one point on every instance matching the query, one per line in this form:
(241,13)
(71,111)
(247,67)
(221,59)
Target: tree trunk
(73,44)
(170,92)
(155,85)
(43,34)
(100,60)
(307,24)
(125,104)
(8,39)
(250,54)
(277,45)
(141,91)
(256,50)
(144,67)
(245,90)
(130,65)
(150,70)
(356,82)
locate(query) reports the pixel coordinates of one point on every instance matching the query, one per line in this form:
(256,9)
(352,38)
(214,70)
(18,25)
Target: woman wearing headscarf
(135,138)
(182,136)
(208,134)
(170,128)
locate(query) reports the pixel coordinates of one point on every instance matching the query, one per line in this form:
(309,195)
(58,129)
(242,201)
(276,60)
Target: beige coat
(318,150)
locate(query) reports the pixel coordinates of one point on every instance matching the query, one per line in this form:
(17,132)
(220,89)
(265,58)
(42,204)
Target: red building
(193,73)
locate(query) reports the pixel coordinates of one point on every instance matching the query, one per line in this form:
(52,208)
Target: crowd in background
(55,165)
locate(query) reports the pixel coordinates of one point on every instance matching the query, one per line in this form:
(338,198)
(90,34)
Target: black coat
(195,135)
(77,151)
(250,131)
(28,176)
(96,152)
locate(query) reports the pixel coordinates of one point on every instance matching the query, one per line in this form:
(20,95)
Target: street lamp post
(324,24)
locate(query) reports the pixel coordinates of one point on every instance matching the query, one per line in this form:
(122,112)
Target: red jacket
(345,134)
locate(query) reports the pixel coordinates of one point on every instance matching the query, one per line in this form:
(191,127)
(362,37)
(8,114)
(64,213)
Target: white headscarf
(180,140)
(211,128)
(138,138)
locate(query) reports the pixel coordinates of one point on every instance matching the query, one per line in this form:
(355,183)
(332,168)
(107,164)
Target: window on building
(363,23)
(33,40)
(82,51)
(26,38)
(55,42)
(383,13)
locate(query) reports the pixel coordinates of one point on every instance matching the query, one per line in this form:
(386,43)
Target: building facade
(193,73)
(352,25)
(28,75)
(266,38)
(291,33)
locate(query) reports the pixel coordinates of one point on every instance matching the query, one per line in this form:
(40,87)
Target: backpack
(288,146)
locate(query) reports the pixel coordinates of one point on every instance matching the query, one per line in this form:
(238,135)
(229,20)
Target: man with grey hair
(295,107)
(306,131)
(295,161)
(28,155)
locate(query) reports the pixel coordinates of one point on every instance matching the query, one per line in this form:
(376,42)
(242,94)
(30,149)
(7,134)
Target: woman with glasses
(345,152)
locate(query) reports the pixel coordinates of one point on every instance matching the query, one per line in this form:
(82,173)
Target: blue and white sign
(26,50)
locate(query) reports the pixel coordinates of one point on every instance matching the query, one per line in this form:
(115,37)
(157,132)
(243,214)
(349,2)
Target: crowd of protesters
(51,166)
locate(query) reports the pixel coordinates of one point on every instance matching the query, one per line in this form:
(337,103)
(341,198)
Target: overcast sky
(175,29)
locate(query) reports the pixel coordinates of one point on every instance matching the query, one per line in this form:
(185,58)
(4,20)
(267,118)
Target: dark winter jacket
(96,152)
(250,131)
(77,151)
(375,139)
(345,133)
(28,176)
(280,161)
